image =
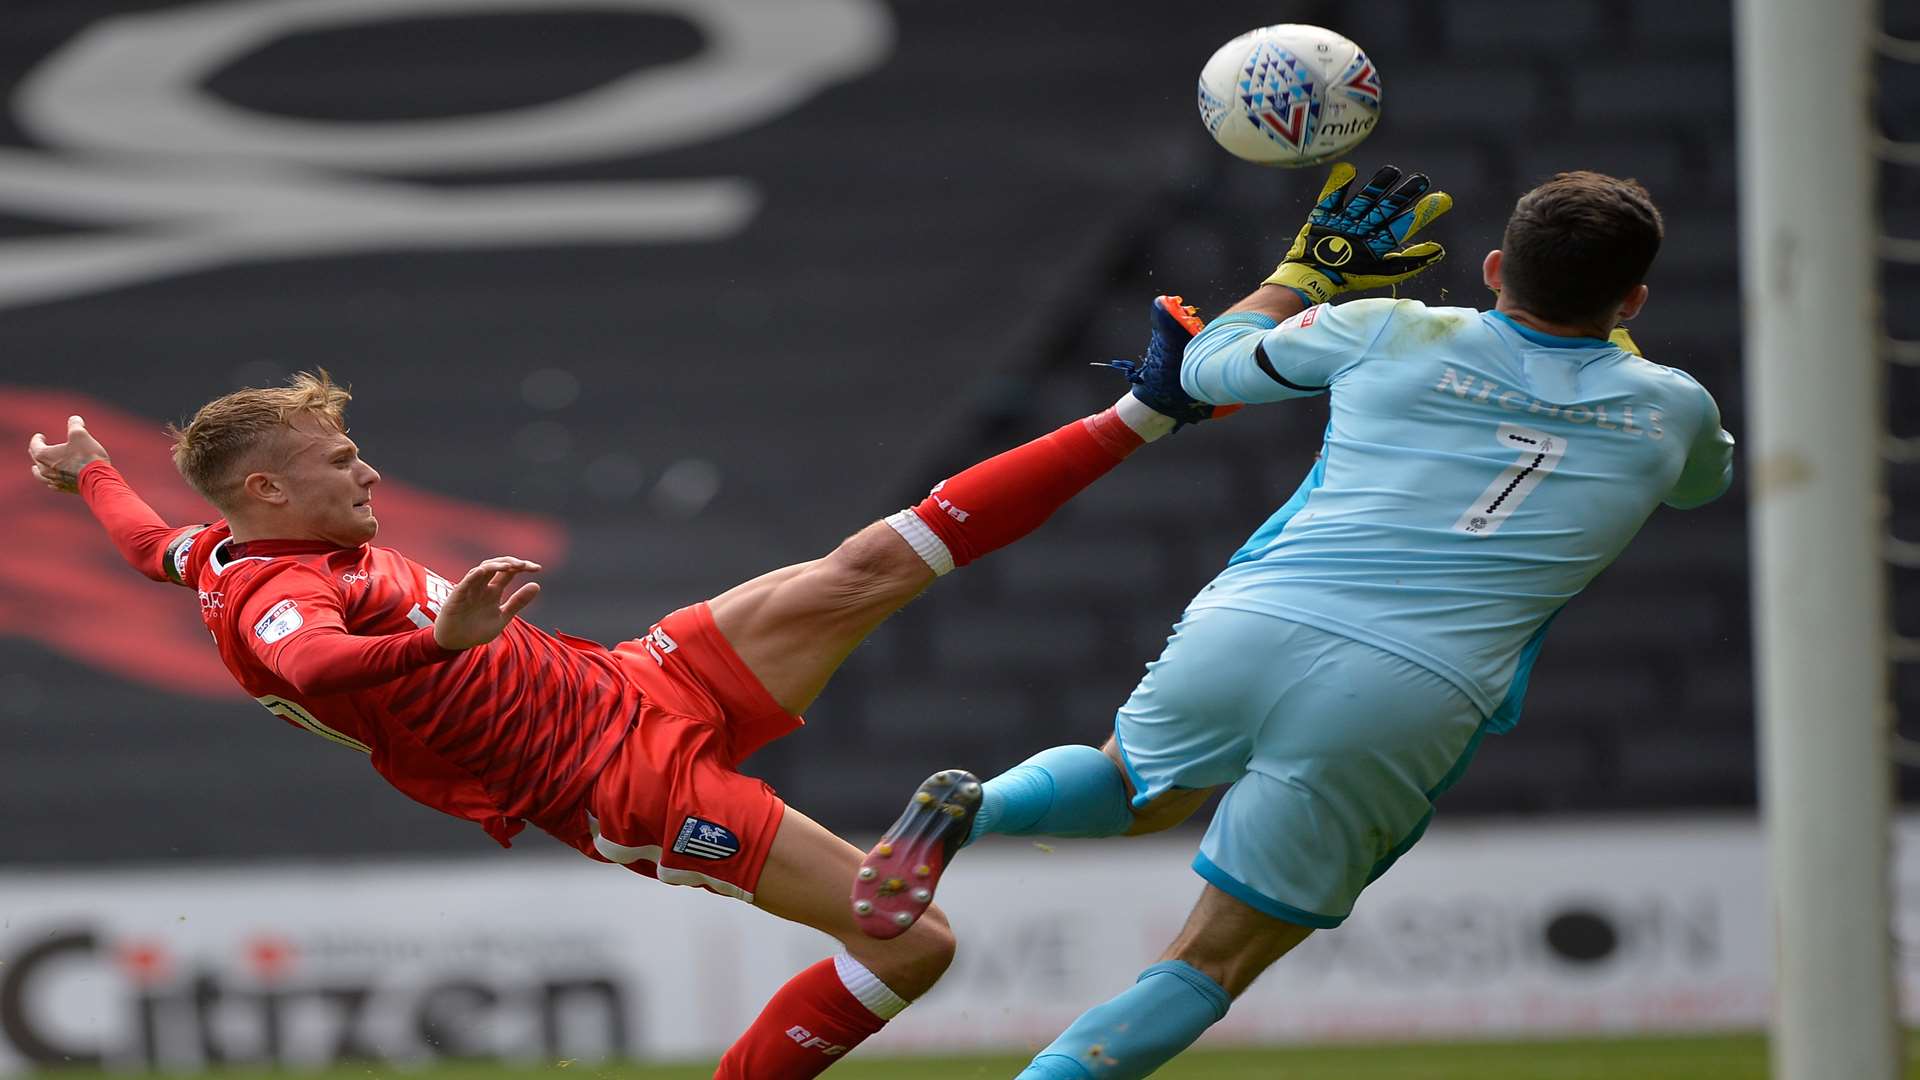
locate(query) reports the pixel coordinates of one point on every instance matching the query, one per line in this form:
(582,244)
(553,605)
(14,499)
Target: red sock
(809,1024)
(1006,497)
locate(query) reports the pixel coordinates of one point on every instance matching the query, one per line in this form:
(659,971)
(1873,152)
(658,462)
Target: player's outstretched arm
(481,606)
(299,628)
(1348,243)
(142,536)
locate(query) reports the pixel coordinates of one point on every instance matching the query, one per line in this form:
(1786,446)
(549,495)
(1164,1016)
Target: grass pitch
(1706,1058)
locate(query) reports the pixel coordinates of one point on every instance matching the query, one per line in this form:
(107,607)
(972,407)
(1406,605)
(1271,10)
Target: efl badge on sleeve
(705,840)
(1304,319)
(279,621)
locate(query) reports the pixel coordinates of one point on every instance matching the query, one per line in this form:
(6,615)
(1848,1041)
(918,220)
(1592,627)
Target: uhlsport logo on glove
(1360,241)
(1332,251)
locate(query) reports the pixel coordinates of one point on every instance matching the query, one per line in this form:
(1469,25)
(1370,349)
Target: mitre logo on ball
(1289,95)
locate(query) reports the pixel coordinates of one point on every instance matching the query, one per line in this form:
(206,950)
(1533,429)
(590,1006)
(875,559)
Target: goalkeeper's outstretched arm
(1348,243)
(1276,302)
(80,466)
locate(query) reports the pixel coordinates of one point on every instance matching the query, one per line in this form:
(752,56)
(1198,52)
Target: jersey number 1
(1539,454)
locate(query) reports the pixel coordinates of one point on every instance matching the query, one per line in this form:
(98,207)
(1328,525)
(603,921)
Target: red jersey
(339,641)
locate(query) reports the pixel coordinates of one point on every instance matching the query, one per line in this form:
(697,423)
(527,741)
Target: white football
(1289,95)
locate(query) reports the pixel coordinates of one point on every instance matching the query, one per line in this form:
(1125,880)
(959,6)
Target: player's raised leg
(1341,749)
(794,626)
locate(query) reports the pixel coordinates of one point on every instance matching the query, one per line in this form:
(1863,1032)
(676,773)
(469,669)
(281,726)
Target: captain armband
(174,562)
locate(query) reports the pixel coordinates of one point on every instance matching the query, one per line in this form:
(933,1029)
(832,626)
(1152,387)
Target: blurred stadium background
(670,292)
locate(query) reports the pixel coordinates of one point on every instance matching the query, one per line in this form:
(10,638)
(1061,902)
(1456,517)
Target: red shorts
(670,804)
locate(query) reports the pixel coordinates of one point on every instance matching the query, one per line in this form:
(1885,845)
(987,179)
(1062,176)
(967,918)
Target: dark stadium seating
(943,244)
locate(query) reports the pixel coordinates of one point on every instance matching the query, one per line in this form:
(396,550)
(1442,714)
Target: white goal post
(1816,420)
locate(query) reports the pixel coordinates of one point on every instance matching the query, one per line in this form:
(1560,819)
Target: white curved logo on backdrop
(208,183)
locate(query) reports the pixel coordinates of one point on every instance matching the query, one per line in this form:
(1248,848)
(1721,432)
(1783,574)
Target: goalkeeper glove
(1350,244)
(1624,340)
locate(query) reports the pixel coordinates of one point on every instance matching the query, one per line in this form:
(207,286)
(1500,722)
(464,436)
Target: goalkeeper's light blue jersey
(1476,475)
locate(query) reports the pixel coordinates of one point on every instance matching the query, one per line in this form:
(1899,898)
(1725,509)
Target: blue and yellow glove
(1355,243)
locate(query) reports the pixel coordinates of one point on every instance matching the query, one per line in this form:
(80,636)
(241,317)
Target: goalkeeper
(1479,469)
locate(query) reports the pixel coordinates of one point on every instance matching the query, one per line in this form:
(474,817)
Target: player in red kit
(628,753)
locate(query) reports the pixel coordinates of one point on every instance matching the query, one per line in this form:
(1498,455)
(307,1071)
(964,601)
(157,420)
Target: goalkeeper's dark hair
(1577,245)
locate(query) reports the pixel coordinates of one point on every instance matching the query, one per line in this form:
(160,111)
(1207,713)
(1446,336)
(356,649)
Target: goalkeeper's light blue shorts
(1334,749)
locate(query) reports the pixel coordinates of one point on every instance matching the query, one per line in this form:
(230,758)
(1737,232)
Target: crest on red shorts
(705,840)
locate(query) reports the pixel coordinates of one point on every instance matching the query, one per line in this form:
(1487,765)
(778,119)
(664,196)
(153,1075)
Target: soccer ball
(1289,95)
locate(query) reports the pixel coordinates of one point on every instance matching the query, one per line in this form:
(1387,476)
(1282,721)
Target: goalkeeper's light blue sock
(1064,791)
(1139,1031)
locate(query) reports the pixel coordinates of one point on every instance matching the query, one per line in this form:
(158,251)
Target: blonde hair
(231,431)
